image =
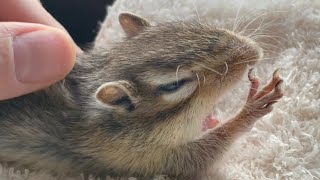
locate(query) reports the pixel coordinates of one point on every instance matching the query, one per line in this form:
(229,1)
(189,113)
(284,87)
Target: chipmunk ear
(132,24)
(115,95)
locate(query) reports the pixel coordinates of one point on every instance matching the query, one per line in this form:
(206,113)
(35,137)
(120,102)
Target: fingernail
(41,56)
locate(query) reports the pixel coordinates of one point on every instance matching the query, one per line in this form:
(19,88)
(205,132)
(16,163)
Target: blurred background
(80,17)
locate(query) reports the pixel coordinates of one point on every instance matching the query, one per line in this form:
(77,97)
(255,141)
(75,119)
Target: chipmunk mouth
(209,123)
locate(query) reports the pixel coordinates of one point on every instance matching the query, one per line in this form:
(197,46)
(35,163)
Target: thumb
(32,56)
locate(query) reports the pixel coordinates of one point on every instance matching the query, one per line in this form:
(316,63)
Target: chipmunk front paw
(259,103)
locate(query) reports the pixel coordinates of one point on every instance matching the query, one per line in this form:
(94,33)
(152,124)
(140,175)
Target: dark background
(80,17)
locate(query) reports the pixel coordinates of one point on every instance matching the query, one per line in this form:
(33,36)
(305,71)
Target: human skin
(35,50)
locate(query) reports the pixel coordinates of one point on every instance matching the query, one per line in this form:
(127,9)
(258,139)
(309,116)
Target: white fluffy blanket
(284,144)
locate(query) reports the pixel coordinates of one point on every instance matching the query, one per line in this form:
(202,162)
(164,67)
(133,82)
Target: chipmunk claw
(260,103)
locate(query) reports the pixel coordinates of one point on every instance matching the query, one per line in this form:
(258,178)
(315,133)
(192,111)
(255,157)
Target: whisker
(244,18)
(241,20)
(195,7)
(235,24)
(249,60)
(265,26)
(254,19)
(198,80)
(270,51)
(268,45)
(177,73)
(273,38)
(257,29)
(208,68)
(261,28)
(265,30)
(266,36)
(242,62)
(227,68)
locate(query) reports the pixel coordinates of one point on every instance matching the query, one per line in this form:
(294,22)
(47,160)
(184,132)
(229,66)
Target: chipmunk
(138,108)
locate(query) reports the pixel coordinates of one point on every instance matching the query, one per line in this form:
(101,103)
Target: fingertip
(279,84)
(43,56)
(67,48)
(33,57)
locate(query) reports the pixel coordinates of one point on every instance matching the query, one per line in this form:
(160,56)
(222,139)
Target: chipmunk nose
(249,52)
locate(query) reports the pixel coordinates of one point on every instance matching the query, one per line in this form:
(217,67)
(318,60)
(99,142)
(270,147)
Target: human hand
(35,50)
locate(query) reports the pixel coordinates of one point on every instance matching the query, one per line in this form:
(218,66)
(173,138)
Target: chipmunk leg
(202,153)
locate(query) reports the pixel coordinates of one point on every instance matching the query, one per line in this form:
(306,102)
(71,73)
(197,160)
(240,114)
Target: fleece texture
(285,144)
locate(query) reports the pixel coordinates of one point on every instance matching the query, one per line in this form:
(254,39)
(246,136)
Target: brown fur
(73,127)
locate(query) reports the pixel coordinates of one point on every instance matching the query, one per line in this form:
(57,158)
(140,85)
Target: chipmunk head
(163,80)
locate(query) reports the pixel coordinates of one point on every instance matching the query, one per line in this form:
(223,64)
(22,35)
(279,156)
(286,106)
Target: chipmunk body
(137,108)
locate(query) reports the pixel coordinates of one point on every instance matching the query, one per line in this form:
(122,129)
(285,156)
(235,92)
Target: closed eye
(173,86)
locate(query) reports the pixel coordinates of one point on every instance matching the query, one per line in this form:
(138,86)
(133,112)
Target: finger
(278,86)
(270,105)
(254,85)
(30,11)
(273,96)
(268,88)
(32,56)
